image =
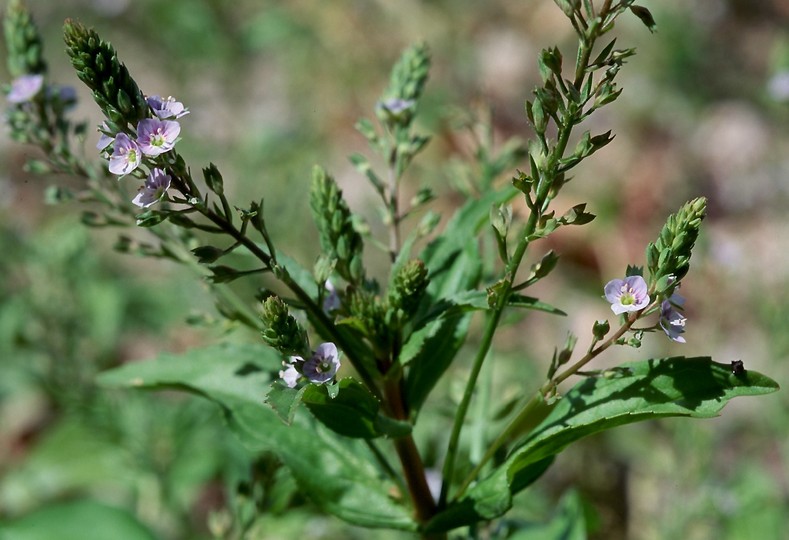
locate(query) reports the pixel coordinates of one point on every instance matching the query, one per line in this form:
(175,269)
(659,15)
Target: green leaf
(339,475)
(436,348)
(79,520)
(229,369)
(353,413)
(430,349)
(657,388)
(455,269)
(336,473)
(440,256)
(528,302)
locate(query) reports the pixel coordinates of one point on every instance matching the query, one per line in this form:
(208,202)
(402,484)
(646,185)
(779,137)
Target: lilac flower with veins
(125,155)
(629,294)
(157,136)
(25,88)
(290,375)
(672,321)
(167,107)
(155,188)
(323,364)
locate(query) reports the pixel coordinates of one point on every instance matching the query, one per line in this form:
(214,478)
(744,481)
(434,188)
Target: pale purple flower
(332,300)
(672,321)
(290,375)
(629,294)
(323,364)
(153,191)
(167,107)
(157,136)
(396,106)
(25,88)
(125,155)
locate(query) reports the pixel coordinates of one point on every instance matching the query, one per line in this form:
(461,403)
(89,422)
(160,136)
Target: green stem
(316,314)
(494,316)
(392,204)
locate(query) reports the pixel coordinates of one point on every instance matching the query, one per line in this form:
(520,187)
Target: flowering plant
(342,416)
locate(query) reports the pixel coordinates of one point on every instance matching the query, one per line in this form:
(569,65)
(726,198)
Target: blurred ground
(275,87)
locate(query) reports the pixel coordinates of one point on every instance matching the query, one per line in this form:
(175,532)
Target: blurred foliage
(276,87)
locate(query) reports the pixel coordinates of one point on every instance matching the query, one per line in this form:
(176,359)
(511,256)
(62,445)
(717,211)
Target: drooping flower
(153,191)
(323,364)
(290,375)
(672,321)
(629,294)
(157,136)
(332,300)
(125,155)
(104,139)
(167,107)
(25,88)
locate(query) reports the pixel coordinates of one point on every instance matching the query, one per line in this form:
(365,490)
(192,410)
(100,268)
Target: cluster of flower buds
(137,129)
(339,239)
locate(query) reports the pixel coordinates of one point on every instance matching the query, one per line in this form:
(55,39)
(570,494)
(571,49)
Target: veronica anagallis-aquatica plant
(345,363)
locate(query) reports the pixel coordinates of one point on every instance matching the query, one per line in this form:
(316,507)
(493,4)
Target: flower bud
(408,287)
(97,65)
(339,239)
(23,42)
(670,253)
(283,332)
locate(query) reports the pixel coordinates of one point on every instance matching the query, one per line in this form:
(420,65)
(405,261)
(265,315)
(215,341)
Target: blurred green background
(275,87)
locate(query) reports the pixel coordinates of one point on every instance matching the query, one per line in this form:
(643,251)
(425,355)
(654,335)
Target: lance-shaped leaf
(658,388)
(339,475)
